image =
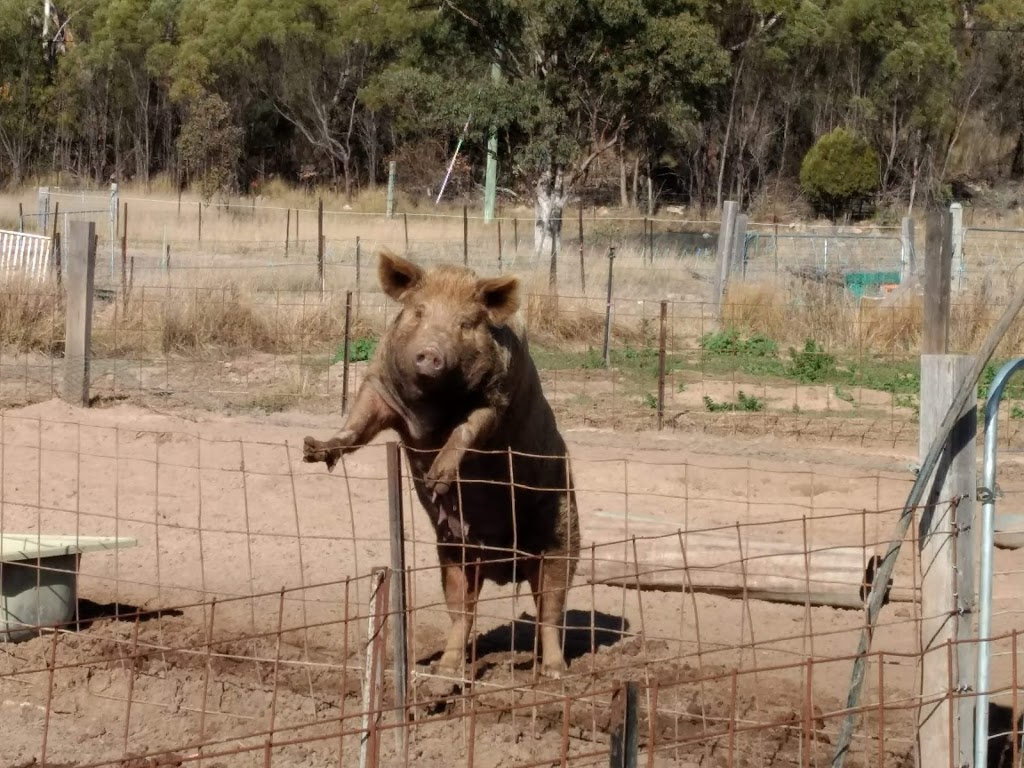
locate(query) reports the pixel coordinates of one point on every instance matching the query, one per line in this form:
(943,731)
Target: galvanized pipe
(988,513)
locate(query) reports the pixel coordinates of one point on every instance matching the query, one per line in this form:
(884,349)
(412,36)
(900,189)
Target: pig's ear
(500,297)
(397,275)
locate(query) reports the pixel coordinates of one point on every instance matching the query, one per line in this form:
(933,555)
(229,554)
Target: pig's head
(443,338)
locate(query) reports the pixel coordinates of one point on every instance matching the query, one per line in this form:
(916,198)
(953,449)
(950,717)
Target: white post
(907,257)
(956,211)
(44,209)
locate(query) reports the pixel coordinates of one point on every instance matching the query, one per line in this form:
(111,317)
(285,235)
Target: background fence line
(221,327)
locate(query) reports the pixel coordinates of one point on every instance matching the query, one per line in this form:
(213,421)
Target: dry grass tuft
(793,312)
(216,320)
(555,320)
(830,316)
(31,316)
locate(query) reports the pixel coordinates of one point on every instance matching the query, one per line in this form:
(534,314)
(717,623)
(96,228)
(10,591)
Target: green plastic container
(861,283)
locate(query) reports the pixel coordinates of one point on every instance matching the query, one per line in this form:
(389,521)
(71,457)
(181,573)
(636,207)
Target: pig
(453,376)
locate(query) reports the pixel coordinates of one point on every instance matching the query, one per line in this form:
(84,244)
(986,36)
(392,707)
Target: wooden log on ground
(669,559)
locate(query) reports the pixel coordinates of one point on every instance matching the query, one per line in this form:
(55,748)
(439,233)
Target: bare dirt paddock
(235,632)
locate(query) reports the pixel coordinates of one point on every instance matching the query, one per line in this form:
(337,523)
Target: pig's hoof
(314,451)
(554,670)
(449,664)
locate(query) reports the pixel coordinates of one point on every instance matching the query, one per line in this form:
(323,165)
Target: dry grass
(799,310)
(193,323)
(240,317)
(237,291)
(31,317)
(559,321)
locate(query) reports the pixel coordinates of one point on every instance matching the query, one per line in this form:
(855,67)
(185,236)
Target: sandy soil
(223,509)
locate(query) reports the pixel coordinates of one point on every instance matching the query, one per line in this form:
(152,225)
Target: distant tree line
(642,100)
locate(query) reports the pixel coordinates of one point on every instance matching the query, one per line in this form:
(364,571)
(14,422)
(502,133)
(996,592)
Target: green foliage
(839,170)
(328,92)
(744,402)
(842,394)
(209,144)
(730,342)
(359,350)
(908,401)
(811,364)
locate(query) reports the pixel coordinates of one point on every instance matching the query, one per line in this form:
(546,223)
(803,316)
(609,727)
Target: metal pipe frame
(988,513)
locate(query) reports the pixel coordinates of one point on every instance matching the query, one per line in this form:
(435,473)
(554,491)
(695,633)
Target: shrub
(840,170)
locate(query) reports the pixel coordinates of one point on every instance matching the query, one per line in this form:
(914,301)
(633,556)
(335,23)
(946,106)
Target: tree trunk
(728,135)
(547,224)
(913,185)
(1017,161)
(623,191)
(636,181)
(650,191)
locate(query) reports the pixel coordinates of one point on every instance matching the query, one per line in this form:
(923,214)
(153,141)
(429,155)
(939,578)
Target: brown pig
(453,376)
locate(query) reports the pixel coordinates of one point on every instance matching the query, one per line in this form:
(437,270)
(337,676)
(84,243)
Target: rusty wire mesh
(239,629)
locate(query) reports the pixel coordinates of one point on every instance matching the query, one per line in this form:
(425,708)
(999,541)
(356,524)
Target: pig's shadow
(585,632)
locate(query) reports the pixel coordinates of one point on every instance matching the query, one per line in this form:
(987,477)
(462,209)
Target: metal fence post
(987,497)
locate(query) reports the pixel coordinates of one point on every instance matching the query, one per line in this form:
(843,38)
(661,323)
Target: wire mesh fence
(818,365)
(250,622)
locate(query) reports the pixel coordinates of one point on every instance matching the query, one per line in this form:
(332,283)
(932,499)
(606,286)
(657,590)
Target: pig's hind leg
(550,580)
(461,585)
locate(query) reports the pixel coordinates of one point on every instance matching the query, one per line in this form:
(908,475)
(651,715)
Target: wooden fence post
(946,537)
(345,352)
(320,245)
(81,270)
(725,232)
(55,242)
(662,344)
(606,352)
(583,273)
(739,242)
(358,264)
(624,739)
(937,279)
(392,167)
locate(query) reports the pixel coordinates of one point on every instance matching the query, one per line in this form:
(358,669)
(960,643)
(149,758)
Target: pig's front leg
(371,415)
(470,433)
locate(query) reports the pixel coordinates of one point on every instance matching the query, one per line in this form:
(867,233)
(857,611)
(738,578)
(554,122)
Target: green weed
(744,402)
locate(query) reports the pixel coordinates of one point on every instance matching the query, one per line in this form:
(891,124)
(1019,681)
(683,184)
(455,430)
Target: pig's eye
(467,325)
(417,313)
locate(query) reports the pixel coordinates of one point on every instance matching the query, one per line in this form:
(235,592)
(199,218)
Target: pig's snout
(429,361)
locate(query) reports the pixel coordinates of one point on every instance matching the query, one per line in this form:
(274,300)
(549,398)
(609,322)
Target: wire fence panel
(237,626)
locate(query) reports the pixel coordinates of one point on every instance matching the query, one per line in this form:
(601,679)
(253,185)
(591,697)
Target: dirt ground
(224,510)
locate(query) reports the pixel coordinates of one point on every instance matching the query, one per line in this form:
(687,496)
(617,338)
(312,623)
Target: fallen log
(669,559)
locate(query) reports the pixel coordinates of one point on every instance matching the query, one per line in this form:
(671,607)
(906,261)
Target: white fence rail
(25,254)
